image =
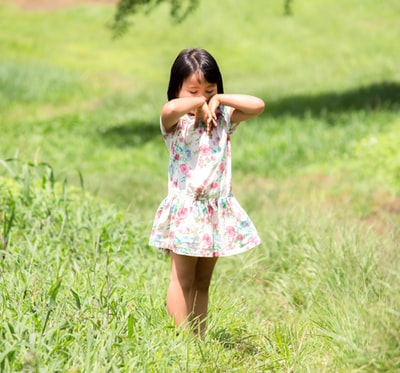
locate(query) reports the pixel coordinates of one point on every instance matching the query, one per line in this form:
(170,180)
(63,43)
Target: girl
(200,220)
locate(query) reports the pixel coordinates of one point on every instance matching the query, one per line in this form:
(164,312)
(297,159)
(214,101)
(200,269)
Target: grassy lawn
(83,168)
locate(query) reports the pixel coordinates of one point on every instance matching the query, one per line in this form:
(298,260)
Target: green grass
(81,291)
(318,172)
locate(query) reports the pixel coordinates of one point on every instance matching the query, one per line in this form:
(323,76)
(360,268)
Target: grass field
(83,168)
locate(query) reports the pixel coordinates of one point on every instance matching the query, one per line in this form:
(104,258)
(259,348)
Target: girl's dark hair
(188,62)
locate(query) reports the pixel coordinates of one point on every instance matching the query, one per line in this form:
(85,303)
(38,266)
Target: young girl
(200,220)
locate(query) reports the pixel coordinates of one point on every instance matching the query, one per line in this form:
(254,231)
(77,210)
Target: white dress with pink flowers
(200,216)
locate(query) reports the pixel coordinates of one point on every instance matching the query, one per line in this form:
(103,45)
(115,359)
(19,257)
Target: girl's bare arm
(176,108)
(244,106)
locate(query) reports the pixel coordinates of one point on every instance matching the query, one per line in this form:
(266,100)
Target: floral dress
(200,216)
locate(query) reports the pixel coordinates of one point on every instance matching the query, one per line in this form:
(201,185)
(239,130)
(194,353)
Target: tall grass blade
(8,220)
(52,298)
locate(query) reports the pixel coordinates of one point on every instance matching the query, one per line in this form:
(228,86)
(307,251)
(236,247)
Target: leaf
(53,295)
(54,291)
(77,298)
(131,323)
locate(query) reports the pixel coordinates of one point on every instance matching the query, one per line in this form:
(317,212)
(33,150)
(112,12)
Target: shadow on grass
(374,97)
(131,134)
(237,339)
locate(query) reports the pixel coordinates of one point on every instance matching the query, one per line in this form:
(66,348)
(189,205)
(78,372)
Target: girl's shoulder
(223,113)
(184,122)
(224,118)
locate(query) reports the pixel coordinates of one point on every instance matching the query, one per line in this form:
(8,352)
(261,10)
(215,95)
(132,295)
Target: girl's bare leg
(181,280)
(187,296)
(199,293)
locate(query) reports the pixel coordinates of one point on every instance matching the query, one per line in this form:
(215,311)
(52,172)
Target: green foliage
(288,6)
(180,9)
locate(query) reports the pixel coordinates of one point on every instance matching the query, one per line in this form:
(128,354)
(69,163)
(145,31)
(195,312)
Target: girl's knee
(201,284)
(203,275)
(185,283)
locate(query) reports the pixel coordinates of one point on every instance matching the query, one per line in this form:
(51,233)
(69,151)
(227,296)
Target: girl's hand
(212,107)
(213,104)
(203,113)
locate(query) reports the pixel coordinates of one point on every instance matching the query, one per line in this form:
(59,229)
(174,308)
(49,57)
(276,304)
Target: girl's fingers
(213,105)
(198,116)
(196,120)
(204,113)
(211,124)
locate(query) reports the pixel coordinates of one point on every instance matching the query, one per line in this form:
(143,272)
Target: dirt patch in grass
(53,5)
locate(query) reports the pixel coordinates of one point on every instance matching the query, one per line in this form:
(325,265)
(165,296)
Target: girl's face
(195,86)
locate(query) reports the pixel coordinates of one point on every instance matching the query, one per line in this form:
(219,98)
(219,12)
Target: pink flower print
(207,239)
(253,240)
(230,231)
(214,185)
(184,168)
(221,167)
(183,123)
(177,156)
(239,237)
(204,150)
(182,213)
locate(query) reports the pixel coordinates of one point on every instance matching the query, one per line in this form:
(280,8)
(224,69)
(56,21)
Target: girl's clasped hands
(207,114)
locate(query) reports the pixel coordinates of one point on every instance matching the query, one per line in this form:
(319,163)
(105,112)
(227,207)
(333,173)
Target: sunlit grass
(81,290)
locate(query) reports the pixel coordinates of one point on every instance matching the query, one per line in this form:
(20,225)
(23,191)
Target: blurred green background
(88,104)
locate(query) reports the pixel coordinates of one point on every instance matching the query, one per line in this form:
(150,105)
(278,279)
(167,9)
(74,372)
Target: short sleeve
(169,137)
(163,131)
(226,113)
